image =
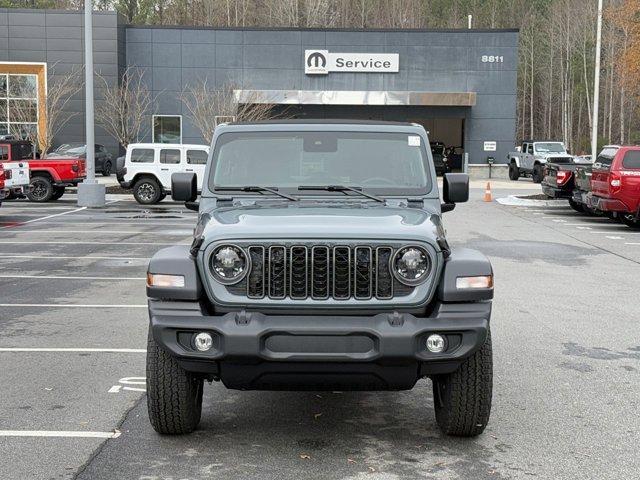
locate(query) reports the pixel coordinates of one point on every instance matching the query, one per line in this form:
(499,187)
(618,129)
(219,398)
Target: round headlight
(411,265)
(229,264)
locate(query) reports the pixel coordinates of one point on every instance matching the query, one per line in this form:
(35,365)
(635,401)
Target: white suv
(148,168)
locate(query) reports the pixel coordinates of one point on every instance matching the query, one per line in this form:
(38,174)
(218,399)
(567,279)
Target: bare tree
(206,106)
(61,88)
(125,107)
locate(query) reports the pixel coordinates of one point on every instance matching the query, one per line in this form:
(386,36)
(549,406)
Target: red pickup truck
(615,184)
(49,177)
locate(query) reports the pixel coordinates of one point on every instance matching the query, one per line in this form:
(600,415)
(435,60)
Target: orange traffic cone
(487,193)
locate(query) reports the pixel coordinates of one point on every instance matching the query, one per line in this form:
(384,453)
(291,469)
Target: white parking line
(632,243)
(57,257)
(52,433)
(114,243)
(53,277)
(49,216)
(139,222)
(114,232)
(67,305)
(74,350)
(618,233)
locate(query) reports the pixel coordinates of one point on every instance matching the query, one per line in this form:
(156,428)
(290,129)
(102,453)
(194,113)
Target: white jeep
(532,156)
(148,167)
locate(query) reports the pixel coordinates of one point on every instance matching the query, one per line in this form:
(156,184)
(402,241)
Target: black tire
(629,219)
(514,171)
(162,197)
(147,191)
(40,189)
(106,169)
(578,207)
(58,192)
(538,174)
(174,396)
(462,399)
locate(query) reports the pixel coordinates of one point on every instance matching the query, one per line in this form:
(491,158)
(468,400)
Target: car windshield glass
(550,148)
(387,162)
(71,149)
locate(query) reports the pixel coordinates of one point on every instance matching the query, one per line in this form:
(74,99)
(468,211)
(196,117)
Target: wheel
(538,175)
(40,189)
(514,171)
(462,399)
(629,219)
(174,396)
(147,191)
(578,207)
(106,169)
(162,197)
(57,193)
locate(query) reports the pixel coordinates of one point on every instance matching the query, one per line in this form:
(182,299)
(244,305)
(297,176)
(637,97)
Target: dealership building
(459,84)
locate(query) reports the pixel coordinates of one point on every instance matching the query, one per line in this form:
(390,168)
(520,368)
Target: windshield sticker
(414,141)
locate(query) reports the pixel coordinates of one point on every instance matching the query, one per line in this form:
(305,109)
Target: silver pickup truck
(532,156)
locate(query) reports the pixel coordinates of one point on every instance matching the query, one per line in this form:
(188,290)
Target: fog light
(435,343)
(203,342)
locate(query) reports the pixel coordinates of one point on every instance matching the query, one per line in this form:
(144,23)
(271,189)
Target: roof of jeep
(324,122)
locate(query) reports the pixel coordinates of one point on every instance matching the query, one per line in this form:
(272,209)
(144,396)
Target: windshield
(392,163)
(550,147)
(71,149)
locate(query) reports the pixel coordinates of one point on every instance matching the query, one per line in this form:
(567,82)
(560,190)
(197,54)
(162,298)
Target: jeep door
(170,163)
(196,162)
(528,157)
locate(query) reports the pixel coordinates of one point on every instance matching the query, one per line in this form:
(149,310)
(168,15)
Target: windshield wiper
(341,188)
(256,188)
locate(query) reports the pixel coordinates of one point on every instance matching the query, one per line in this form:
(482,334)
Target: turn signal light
(484,281)
(161,280)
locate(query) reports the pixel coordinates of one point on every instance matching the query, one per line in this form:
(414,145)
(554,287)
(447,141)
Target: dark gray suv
(320,262)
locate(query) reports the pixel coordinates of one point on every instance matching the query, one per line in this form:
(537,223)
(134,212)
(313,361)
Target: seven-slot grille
(320,272)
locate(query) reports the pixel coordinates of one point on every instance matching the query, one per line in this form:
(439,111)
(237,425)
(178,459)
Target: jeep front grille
(320,272)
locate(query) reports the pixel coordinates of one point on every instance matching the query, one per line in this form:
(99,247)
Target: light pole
(596,86)
(90,192)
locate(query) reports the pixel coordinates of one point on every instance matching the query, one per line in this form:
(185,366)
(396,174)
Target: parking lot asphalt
(73,327)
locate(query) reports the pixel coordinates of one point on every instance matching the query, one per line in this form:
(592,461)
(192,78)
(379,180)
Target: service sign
(321,62)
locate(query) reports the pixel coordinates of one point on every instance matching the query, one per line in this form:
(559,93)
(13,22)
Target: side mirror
(455,189)
(184,187)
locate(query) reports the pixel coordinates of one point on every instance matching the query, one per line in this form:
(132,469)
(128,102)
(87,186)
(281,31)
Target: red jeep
(615,184)
(49,177)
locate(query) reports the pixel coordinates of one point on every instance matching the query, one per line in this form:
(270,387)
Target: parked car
(532,156)
(615,184)
(14,177)
(559,180)
(295,282)
(582,182)
(148,168)
(49,177)
(440,159)
(103,159)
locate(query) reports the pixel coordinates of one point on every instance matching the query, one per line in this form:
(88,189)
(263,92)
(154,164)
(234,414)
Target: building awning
(357,97)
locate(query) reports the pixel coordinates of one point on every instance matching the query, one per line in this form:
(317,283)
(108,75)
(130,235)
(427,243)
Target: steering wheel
(384,181)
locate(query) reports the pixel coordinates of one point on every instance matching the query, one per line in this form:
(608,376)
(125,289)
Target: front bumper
(252,350)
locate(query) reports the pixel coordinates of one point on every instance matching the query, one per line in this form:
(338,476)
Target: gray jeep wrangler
(319,262)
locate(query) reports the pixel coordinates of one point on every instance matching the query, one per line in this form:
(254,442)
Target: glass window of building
(167,129)
(18,105)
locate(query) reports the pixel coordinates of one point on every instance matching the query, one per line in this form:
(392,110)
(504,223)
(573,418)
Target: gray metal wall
(57,38)
(436,61)
(273,59)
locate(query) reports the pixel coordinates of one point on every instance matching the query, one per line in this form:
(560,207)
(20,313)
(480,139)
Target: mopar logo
(317,60)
